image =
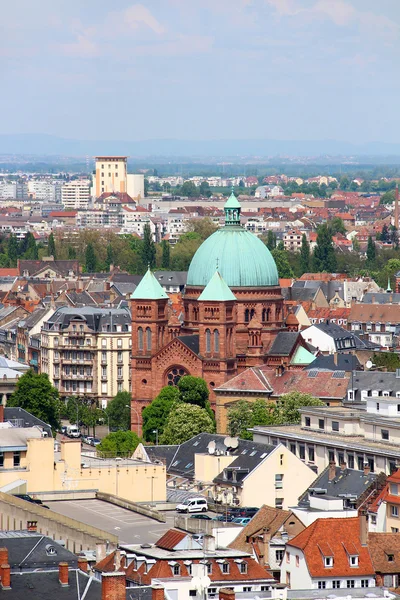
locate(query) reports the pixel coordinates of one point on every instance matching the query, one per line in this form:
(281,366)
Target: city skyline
(244,69)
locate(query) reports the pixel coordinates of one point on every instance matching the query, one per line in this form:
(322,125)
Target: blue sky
(202,69)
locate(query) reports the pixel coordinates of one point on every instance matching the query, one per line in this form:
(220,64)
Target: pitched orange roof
(343,536)
(170,539)
(8,272)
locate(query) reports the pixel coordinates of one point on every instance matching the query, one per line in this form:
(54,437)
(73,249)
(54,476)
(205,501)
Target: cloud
(137,15)
(83,47)
(341,13)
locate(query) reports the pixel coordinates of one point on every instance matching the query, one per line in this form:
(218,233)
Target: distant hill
(32,144)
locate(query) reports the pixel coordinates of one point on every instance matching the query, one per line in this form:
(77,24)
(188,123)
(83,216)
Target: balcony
(75,377)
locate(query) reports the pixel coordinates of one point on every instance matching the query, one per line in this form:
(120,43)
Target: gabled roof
(344,540)
(217,290)
(29,550)
(149,289)
(170,539)
(381,547)
(285,343)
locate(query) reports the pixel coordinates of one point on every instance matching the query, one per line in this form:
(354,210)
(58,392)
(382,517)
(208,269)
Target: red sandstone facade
(217,340)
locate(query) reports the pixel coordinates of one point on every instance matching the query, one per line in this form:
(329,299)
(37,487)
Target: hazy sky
(201,69)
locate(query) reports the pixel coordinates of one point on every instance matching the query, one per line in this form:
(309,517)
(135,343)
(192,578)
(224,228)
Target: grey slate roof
(344,362)
(175,278)
(12,413)
(191,341)
(94,317)
(163,453)
(339,335)
(381,298)
(46,586)
(349,482)
(182,462)
(375,380)
(32,319)
(284,343)
(31,550)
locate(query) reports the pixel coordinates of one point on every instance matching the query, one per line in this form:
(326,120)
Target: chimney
(332,470)
(157,591)
(226,594)
(82,563)
(367,469)
(31,525)
(100,551)
(117,560)
(63,573)
(113,586)
(335,358)
(1,413)
(3,556)
(5,576)
(363,522)
(208,543)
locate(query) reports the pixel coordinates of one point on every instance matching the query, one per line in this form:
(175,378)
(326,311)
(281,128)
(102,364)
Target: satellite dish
(227,442)
(234,442)
(369,364)
(211,447)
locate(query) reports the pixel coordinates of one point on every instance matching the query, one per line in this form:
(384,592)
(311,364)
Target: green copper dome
(241,257)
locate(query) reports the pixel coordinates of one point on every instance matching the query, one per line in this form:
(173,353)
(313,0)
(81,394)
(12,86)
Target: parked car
(193,505)
(202,517)
(29,498)
(221,518)
(94,441)
(241,520)
(73,431)
(63,429)
(87,439)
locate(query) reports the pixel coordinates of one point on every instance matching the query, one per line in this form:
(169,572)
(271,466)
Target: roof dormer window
(353,560)
(328,561)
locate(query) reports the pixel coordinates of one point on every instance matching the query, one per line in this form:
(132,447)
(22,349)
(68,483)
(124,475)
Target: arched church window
(247,316)
(216,340)
(208,340)
(148,338)
(174,375)
(140,338)
(252,313)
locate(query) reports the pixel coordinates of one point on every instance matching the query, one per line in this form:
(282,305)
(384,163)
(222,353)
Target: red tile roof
(343,537)
(64,213)
(8,272)
(170,539)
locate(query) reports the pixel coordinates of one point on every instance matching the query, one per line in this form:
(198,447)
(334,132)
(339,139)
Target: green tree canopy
(35,394)
(154,416)
(193,390)
(166,254)
(371,252)
(148,249)
(288,410)
(184,422)
(90,259)
(282,263)
(119,412)
(189,189)
(387,197)
(203,227)
(271,240)
(118,443)
(205,189)
(51,247)
(324,258)
(336,225)
(304,255)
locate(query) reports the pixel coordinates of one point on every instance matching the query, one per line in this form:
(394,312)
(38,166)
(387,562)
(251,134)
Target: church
(234,316)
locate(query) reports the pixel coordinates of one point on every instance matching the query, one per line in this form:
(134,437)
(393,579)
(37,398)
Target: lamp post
(137,415)
(156,432)
(152,490)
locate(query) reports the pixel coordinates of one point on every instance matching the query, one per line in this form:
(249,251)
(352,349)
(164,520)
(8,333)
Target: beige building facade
(112,176)
(86,352)
(26,456)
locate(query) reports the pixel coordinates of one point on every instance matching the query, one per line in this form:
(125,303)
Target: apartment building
(76,194)
(361,439)
(86,352)
(112,176)
(292,240)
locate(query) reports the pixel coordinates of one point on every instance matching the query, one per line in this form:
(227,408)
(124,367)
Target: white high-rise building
(76,194)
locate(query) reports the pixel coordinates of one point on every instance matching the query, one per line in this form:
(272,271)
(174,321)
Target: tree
(290,404)
(71,253)
(184,422)
(324,258)
(239,419)
(31,249)
(148,249)
(389,360)
(35,394)
(344,183)
(193,390)
(385,236)
(394,236)
(13,249)
(110,256)
(387,198)
(154,416)
(203,227)
(166,254)
(371,252)
(90,259)
(51,247)
(118,443)
(118,411)
(271,240)
(336,225)
(304,255)
(189,189)
(205,189)
(282,263)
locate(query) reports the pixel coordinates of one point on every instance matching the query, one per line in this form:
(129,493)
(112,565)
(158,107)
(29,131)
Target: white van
(73,431)
(192,505)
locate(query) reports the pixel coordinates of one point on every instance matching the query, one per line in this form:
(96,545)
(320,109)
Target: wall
(77,536)
(297,576)
(208,466)
(297,477)
(128,479)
